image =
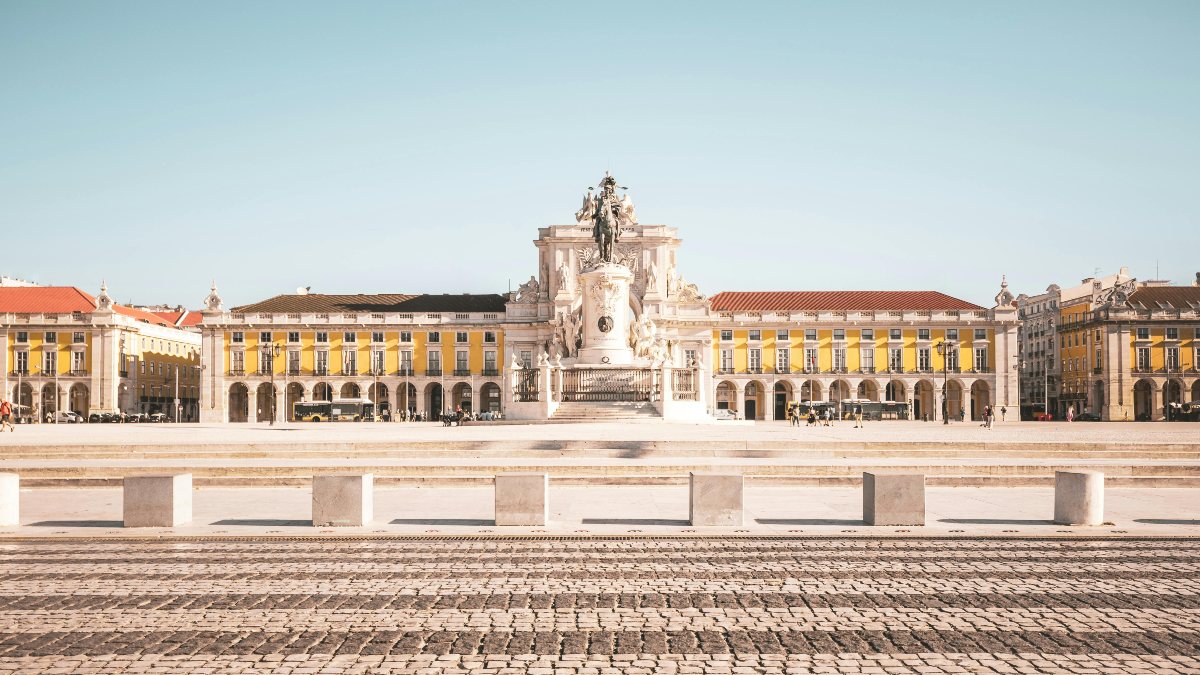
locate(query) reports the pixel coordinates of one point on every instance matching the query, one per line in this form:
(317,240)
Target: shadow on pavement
(79,523)
(1167,521)
(442,521)
(264,522)
(996,521)
(808,521)
(634,521)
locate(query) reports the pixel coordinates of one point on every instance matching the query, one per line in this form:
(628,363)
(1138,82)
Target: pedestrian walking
(6,416)
(1003,413)
(858,416)
(812,417)
(828,416)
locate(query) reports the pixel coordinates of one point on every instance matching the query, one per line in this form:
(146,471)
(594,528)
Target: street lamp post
(272,351)
(944,349)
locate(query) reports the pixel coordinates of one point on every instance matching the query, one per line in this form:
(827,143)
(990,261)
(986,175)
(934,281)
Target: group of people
(825,417)
(989,415)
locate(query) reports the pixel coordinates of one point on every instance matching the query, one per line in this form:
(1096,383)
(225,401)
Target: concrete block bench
(1078,497)
(521,498)
(343,500)
(10,500)
(893,498)
(715,499)
(157,501)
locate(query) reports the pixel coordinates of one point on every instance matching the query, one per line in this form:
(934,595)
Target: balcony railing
(462,372)
(405,372)
(293,371)
(867,369)
(349,371)
(237,372)
(433,372)
(754,371)
(491,372)
(80,372)
(1099,370)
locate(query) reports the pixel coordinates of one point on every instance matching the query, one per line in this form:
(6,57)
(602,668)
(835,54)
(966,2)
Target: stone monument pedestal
(157,501)
(606,315)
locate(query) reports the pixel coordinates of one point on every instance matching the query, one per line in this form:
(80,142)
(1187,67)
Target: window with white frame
(924,360)
(839,359)
(756,335)
(810,360)
(489,361)
(895,334)
(78,359)
(952,358)
(1143,333)
(48,359)
(726,335)
(839,333)
(783,360)
(727,360)
(1172,358)
(1143,358)
(377,337)
(78,338)
(980,333)
(489,337)
(951,334)
(435,362)
(460,337)
(433,336)
(868,359)
(406,336)
(322,363)
(349,337)
(895,359)
(377,362)
(51,337)
(349,362)
(922,333)
(460,361)
(782,335)
(526,358)
(265,336)
(22,362)
(1172,333)
(322,337)
(266,361)
(690,358)
(810,334)
(406,361)
(293,361)
(981,359)
(237,337)
(294,337)
(237,362)
(867,334)
(755,360)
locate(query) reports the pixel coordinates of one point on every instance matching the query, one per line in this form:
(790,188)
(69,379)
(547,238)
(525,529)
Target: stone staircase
(606,411)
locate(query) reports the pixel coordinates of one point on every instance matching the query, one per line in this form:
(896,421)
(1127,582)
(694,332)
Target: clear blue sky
(417,147)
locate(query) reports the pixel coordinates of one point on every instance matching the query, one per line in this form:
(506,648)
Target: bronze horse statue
(607,228)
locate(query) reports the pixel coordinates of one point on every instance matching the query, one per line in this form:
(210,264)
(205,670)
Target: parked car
(133,418)
(67,417)
(1087,417)
(1043,417)
(156,417)
(94,418)
(724,414)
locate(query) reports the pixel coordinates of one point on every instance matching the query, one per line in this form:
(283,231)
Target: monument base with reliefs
(606,315)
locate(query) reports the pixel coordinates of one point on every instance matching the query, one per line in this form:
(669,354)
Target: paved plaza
(600,605)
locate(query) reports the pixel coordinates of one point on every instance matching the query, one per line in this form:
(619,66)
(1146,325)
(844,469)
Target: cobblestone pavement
(600,605)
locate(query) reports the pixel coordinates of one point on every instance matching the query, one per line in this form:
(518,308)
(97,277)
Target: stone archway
(895,391)
(981,397)
(1172,393)
(49,401)
(350,390)
(489,397)
(953,405)
(322,392)
(239,403)
(461,397)
(810,390)
(755,401)
(433,401)
(265,400)
(726,395)
(80,399)
(923,401)
(782,396)
(1143,400)
(406,397)
(294,395)
(379,395)
(868,390)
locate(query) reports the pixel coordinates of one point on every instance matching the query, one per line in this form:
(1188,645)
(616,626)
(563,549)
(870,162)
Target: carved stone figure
(568,328)
(607,213)
(516,362)
(642,334)
(213,302)
(528,292)
(651,277)
(566,278)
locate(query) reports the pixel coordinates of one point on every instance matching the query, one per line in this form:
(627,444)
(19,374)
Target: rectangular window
(1143,358)
(322,338)
(526,358)
(755,335)
(782,360)
(51,337)
(1172,333)
(755,360)
(322,365)
(868,359)
(839,360)
(460,362)
(951,333)
(1098,360)
(77,361)
(350,337)
(265,336)
(433,337)
(810,360)
(726,360)
(377,337)
(810,334)
(78,338)
(294,337)
(153,365)
(839,333)
(952,360)
(782,335)
(726,335)
(237,363)
(1143,333)
(896,359)
(489,337)
(266,362)
(48,365)
(23,362)
(460,337)
(980,333)
(894,334)
(377,362)
(690,358)
(981,359)
(237,337)
(924,361)
(435,363)
(406,336)
(1173,358)
(349,362)
(489,362)
(293,364)
(922,333)
(406,360)
(868,334)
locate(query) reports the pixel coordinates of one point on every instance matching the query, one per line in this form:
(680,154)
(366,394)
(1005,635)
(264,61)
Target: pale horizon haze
(417,147)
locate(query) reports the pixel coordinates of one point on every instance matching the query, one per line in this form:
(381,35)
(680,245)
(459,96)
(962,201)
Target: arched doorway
(378,393)
(406,397)
(895,391)
(839,391)
(783,394)
(433,401)
(322,392)
(350,390)
(953,404)
(981,397)
(810,391)
(1196,391)
(726,396)
(489,397)
(265,401)
(869,390)
(1143,400)
(923,408)
(1097,397)
(49,403)
(460,396)
(755,393)
(80,399)
(1172,394)
(294,395)
(239,403)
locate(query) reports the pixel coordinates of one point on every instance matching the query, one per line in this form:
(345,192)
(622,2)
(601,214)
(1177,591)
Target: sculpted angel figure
(528,291)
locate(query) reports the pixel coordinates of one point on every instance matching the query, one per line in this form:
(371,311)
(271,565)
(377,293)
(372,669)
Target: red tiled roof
(185,319)
(845,301)
(1155,297)
(62,300)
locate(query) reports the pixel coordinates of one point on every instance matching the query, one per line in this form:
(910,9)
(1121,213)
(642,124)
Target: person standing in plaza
(1003,413)
(858,416)
(6,415)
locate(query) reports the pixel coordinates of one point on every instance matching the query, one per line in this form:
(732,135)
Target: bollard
(715,498)
(343,500)
(1078,498)
(893,498)
(157,501)
(521,498)
(10,500)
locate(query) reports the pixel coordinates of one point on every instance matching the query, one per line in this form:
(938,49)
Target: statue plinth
(606,315)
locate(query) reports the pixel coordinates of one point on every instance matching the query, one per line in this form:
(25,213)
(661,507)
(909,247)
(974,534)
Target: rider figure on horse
(606,228)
